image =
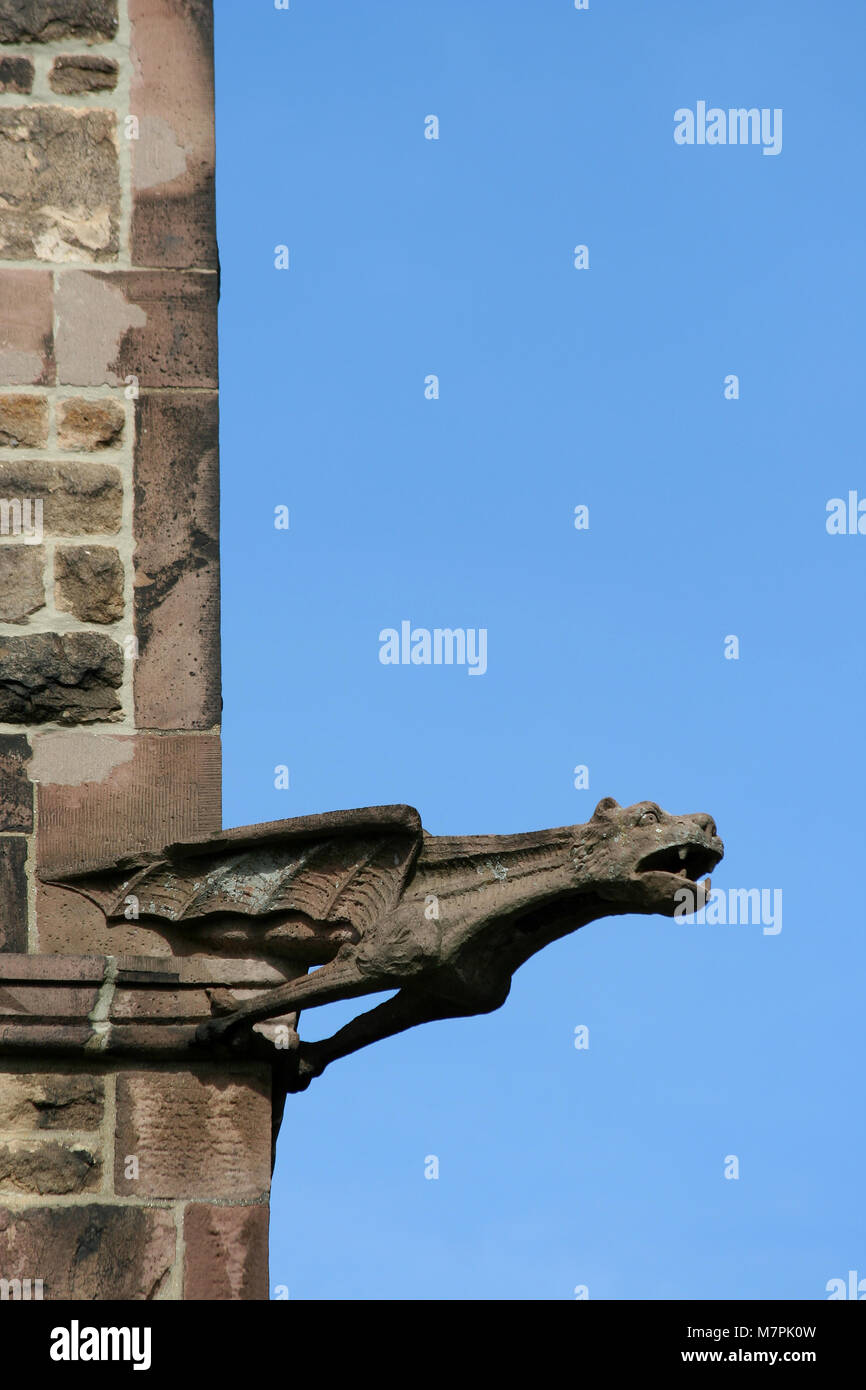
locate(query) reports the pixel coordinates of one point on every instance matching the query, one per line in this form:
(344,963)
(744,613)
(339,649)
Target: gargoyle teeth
(689,861)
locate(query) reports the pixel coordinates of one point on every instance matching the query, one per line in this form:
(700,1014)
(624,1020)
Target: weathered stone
(355,887)
(89,582)
(85,72)
(23,420)
(95,1251)
(98,789)
(87,425)
(158,326)
(40,21)
(59,172)
(16,74)
(157,1016)
(42,1003)
(48,1166)
(67,679)
(171,92)
(21,591)
(175,1005)
(13,894)
(26,328)
(68,921)
(38,1100)
(196,1133)
(54,1002)
(176,595)
(16,789)
(67,970)
(226,1252)
(60,1036)
(77,498)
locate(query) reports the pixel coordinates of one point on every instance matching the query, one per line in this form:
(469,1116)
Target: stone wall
(109,649)
(109,585)
(80,1145)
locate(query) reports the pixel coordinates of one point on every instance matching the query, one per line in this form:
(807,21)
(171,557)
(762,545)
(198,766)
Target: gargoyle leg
(405,1010)
(338,980)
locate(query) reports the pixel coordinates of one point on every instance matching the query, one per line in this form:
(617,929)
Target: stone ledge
(184,970)
(130,1006)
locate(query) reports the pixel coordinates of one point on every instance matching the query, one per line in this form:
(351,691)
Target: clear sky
(558,387)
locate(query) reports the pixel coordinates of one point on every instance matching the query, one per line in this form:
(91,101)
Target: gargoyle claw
(307,1070)
(217,1030)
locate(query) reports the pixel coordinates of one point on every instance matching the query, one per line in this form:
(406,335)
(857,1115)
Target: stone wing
(345,866)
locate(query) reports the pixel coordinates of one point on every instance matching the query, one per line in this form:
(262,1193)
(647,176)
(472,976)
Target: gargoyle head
(643,857)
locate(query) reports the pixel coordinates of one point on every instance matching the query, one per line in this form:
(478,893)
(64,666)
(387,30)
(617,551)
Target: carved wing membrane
(346,866)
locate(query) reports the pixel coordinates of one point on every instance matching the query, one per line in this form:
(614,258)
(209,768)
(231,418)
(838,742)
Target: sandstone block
(16,789)
(48,1167)
(171,92)
(21,591)
(156,325)
(59,173)
(77,498)
(40,21)
(89,582)
(89,1252)
(24,999)
(176,596)
(16,74)
(172,1006)
(83,424)
(69,922)
(85,72)
(13,893)
(68,679)
(226,1252)
(132,792)
(26,328)
(195,1132)
(33,971)
(23,420)
(38,1100)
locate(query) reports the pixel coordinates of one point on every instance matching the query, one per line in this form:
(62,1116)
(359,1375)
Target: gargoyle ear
(606,804)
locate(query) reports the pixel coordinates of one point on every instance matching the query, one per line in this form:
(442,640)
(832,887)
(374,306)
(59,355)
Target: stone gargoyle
(380,905)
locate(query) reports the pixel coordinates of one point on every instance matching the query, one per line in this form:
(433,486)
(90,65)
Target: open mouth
(688,862)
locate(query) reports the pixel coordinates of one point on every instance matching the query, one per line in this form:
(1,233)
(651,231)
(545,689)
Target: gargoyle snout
(706,823)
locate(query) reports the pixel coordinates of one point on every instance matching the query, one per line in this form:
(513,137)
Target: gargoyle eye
(648,817)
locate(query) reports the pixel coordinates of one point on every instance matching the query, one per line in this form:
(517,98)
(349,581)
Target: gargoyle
(380,905)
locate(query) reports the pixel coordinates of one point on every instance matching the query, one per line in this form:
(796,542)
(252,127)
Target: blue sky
(559,387)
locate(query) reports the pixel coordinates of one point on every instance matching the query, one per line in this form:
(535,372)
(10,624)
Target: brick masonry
(111,1144)
(150,1213)
(131,1143)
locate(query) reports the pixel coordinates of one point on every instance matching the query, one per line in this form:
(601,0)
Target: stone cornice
(133,1006)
